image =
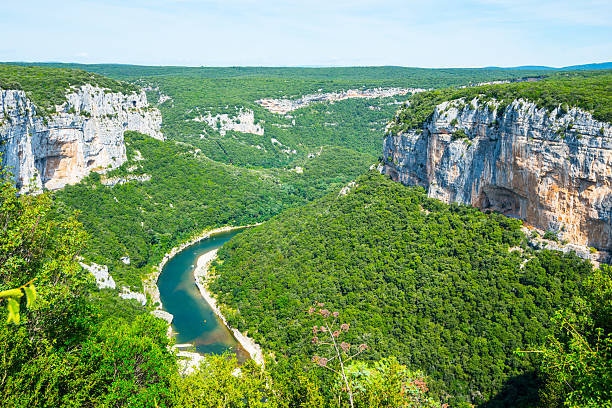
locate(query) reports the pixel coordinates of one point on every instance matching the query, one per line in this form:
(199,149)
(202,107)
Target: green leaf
(13,309)
(30,295)
(11,293)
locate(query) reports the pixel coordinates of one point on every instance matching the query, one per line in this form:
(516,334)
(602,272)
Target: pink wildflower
(336,314)
(363,347)
(345,346)
(336,333)
(344,327)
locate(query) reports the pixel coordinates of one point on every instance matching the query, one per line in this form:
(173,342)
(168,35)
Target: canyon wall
(85,134)
(552,169)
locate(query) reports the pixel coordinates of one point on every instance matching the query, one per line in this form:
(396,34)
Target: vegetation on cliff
(435,285)
(47,87)
(589,90)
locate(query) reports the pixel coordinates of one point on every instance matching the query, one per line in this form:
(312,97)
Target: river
(194,321)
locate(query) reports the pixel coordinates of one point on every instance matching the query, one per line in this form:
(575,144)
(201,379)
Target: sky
(422,33)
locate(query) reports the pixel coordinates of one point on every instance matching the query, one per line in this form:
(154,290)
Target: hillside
(186,95)
(444,288)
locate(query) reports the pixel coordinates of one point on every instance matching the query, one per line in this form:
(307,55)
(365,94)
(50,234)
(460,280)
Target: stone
(100,272)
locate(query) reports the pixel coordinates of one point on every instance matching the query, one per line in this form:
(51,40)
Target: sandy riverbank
(201,276)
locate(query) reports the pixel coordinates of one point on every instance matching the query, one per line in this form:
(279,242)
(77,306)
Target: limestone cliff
(552,169)
(85,134)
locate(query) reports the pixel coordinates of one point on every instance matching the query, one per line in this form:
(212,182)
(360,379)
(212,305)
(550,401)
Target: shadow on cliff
(520,391)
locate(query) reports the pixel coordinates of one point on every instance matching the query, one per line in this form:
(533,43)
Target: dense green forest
(589,90)
(47,87)
(73,347)
(435,285)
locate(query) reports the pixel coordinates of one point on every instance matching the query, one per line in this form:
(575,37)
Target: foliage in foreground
(61,352)
(285,383)
(576,358)
(434,285)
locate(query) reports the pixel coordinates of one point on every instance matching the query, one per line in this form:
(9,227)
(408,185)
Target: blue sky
(424,33)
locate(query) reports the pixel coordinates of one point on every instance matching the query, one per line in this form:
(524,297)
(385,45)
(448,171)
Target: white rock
(283,106)
(100,272)
(126,293)
(244,122)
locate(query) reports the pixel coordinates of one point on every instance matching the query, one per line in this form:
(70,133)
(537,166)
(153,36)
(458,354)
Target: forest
(187,193)
(444,288)
(75,346)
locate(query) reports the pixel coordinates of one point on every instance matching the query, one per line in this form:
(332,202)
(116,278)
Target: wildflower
(320,304)
(345,346)
(315,340)
(315,358)
(323,329)
(324,312)
(344,327)
(363,347)
(322,361)
(336,333)
(315,329)
(311,310)
(336,314)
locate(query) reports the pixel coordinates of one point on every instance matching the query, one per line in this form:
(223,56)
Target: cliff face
(551,169)
(86,134)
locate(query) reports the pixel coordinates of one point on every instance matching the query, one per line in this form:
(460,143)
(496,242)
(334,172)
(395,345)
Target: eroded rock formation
(551,169)
(86,134)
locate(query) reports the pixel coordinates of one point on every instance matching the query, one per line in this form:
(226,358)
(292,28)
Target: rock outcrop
(243,121)
(552,169)
(86,134)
